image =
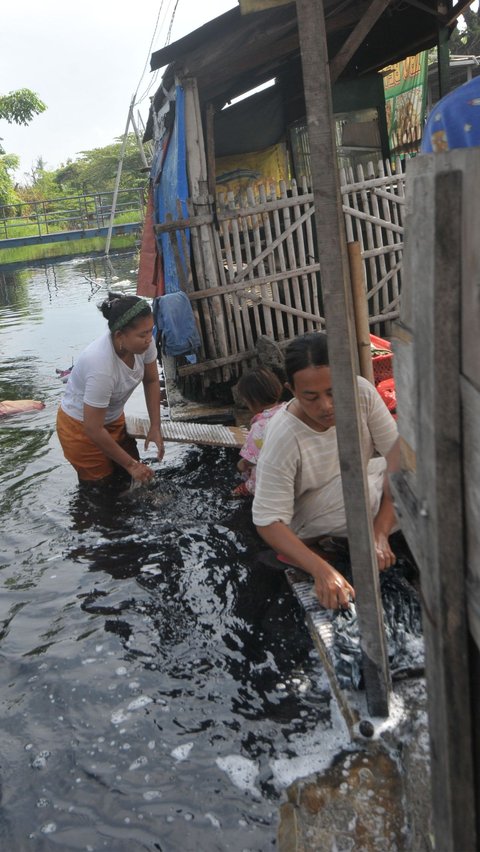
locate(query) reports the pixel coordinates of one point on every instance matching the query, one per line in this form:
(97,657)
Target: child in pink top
(260,390)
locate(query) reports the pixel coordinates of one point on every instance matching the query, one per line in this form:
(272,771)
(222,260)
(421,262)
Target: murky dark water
(157,692)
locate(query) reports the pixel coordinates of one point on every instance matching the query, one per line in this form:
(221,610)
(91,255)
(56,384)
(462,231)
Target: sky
(85,60)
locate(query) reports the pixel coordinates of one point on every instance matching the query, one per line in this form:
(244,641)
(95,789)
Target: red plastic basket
(382,364)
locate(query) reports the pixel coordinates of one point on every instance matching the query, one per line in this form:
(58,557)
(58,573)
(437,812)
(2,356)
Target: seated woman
(298,496)
(90,420)
(260,390)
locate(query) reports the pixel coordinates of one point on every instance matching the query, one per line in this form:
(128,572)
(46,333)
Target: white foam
(140,761)
(153,569)
(182,751)
(139,702)
(241,771)
(151,795)
(118,717)
(315,751)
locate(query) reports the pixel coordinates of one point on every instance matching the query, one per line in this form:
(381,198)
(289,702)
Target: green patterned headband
(132,312)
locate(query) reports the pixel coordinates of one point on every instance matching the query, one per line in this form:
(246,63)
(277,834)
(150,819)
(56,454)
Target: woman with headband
(91,421)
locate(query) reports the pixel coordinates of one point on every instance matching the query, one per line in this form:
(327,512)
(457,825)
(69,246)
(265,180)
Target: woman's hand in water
(332,589)
(385,554)
(155,437)
(140,472)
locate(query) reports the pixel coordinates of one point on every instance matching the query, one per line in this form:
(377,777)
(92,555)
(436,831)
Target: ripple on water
(142,649)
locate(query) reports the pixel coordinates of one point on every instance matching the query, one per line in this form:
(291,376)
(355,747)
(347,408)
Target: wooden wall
(437,371)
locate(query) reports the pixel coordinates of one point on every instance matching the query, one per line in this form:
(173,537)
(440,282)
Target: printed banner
(236,173)
(405,85)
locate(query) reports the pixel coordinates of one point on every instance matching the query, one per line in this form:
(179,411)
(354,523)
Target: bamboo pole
(257,243)
(228,260)
(278,244)
(360,311)
(302,258)
(313,276)
(117,182)
(280,332)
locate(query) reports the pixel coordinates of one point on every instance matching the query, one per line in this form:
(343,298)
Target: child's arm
(244,466)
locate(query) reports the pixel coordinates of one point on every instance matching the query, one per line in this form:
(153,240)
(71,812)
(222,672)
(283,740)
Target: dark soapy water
(157,691)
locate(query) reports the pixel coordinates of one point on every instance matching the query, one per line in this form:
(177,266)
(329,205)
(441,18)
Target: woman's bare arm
(332,590)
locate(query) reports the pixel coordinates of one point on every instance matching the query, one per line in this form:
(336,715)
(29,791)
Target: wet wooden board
(208,434)
(318,620)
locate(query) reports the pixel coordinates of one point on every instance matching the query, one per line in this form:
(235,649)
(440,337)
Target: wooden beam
(359,293)
(210,143)
(457,11)
(356,37)
(431,493)
(424,8)
(443,51)
(335,279)
(439,477)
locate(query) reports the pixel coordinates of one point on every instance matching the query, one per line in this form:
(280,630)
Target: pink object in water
(19,406)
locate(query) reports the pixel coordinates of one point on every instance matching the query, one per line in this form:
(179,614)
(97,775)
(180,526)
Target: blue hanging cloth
(177,330)
(172,188)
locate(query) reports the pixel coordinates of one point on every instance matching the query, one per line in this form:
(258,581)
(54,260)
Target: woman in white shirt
(90,420)
(298,497)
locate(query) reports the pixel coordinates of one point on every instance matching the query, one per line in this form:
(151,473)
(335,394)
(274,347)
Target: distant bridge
(63,236)
(77,217)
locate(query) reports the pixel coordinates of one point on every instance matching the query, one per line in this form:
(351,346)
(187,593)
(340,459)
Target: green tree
(21,106)
(465,39)
(96,170)
(8,164)
(16,108)
(41,183)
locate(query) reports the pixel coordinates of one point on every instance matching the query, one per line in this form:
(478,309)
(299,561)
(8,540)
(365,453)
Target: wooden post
(210,143)
(443,51)
(360,310)
(440,241)
(335,280)
(439,473)
(202,243)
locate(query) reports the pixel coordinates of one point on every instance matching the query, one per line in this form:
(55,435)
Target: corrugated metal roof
(402,28)
(235,52)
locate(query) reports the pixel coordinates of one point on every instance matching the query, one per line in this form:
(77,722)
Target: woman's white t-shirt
(298,473)
(101,379)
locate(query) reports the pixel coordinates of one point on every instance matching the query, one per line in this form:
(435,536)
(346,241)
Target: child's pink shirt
(254,441)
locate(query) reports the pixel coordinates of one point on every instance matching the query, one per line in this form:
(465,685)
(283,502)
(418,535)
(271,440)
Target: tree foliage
(17,107)
(8,195)
(21,106)
(465,39)
(96,170)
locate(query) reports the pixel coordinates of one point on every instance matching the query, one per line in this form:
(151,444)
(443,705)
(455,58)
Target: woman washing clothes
(298,495)
(91,421)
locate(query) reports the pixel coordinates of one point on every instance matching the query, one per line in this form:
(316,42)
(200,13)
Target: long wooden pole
(117,182)
(335,279)
(360,310)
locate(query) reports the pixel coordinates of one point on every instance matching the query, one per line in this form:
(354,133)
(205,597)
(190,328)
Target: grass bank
(68,248)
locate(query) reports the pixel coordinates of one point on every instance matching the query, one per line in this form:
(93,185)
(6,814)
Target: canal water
(158,691)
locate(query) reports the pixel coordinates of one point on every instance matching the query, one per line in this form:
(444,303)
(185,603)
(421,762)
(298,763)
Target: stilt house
(233,208)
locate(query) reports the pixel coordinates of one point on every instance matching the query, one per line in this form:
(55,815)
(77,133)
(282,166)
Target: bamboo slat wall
(256,270)
(374,206)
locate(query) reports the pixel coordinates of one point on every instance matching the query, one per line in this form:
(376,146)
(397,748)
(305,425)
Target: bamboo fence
(256,271)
